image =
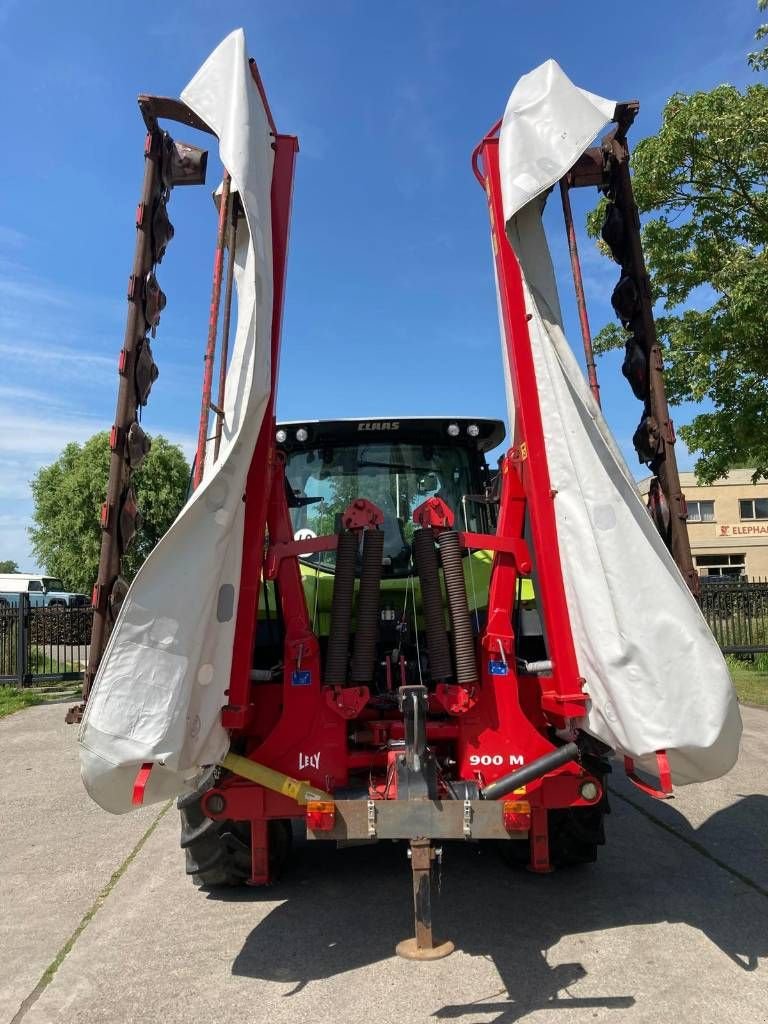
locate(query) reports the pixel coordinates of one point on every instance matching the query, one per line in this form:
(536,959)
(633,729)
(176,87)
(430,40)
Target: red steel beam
(530,452)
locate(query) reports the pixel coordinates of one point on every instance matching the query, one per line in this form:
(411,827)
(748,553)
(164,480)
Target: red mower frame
(505,727)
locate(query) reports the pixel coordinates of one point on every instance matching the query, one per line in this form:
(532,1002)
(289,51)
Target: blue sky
(390,303)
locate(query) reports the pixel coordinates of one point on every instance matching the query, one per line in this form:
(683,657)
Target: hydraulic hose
(425,556)
(367,625)
(341,609)
(461,624)
(534,770)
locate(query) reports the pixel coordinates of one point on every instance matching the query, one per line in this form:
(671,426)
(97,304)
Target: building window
(753,508)
(701,512)
(721,565)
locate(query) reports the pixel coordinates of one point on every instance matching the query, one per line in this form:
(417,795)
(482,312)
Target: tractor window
(396,477)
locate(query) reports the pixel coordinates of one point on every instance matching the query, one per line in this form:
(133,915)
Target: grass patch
(750,680)
(12,699)
(41,662)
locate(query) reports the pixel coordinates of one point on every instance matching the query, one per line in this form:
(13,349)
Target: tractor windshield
(396,477)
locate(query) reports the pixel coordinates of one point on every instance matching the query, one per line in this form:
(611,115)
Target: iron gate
(42,644)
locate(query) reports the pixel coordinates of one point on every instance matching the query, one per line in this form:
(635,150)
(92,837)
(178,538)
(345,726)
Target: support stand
(422,946)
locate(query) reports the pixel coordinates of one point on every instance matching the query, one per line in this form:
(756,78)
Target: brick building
(727,524)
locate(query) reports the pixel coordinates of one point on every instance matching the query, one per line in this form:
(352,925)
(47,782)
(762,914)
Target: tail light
(321,815)
(517,815)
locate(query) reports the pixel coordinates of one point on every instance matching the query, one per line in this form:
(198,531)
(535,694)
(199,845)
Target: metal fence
(50,644)
(737,614)
(42,644)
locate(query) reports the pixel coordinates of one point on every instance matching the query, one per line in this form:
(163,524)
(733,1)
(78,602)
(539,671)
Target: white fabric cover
(655,676)
(160,687)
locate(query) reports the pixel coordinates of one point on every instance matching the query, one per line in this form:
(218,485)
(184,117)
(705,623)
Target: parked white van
(43,591)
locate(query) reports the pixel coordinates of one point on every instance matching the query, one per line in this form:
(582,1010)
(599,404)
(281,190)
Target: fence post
(22,654)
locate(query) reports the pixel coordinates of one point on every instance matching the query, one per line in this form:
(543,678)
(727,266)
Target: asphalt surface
(100,924)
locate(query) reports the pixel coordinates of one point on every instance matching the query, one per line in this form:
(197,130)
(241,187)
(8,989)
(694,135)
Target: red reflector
(140,784)
(321,815)
(517,815)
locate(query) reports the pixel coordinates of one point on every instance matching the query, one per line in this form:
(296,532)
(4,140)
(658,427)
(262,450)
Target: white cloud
(27,431)
(10,238)
(14,542)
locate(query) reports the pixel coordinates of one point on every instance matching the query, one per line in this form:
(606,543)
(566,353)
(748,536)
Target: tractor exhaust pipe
(534,770)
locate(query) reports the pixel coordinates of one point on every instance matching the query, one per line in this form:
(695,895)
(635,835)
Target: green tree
(758,59)
(8,565)
(66,536)
(702,182)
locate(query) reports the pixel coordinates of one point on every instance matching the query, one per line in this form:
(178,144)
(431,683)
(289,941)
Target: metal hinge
(467,823)
(371,819)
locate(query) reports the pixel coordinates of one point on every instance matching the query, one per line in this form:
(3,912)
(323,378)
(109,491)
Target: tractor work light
(517,815)
(473,430)
(281,436)
(453,430)
(301,435)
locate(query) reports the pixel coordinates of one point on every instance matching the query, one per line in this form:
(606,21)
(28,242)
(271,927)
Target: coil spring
(341,609)
(432,604)
(463,637)
(367,625)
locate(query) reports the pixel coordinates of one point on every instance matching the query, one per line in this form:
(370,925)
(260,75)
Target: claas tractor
(378,571)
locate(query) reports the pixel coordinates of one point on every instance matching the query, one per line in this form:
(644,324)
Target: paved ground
(670,926)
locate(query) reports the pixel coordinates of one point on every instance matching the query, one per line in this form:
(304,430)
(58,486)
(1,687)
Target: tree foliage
(702,180)
(758,59)
(8,565)
(66,535)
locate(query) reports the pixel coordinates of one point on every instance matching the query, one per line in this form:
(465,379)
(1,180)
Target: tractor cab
(395,463)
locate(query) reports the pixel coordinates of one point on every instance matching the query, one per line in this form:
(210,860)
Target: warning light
(321,815)
(517,815)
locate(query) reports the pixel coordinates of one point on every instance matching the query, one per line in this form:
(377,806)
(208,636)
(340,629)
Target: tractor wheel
(218,853)
(575,834)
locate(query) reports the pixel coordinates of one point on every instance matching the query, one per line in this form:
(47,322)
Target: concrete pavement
(672,923)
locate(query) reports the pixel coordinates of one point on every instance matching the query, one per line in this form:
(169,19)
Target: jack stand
(422,946)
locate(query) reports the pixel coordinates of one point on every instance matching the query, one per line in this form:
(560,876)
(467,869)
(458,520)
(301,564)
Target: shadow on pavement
(347,909)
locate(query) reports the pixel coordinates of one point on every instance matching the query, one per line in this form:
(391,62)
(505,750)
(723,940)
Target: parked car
(42,591)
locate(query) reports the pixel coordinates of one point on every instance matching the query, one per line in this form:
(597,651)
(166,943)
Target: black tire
(575,834)
(218,853)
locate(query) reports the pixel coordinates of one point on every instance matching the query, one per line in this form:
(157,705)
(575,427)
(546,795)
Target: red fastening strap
(140,783)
